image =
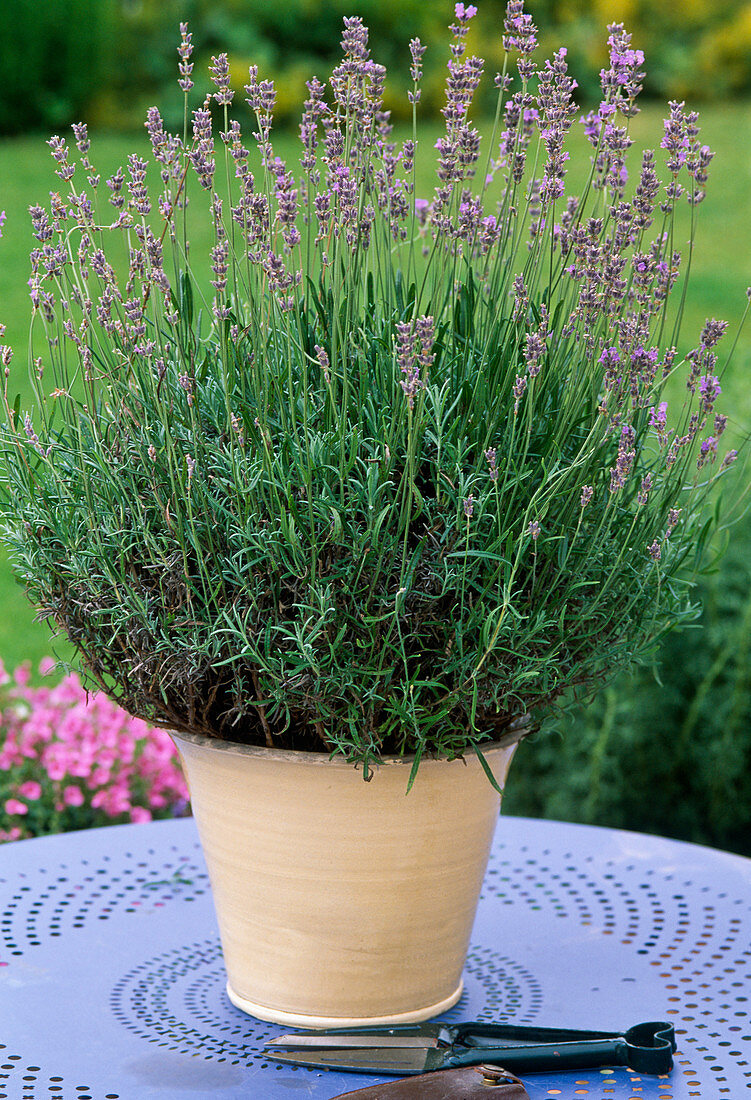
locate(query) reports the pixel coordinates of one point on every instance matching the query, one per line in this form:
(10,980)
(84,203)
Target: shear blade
(351,1042)
(392,1060)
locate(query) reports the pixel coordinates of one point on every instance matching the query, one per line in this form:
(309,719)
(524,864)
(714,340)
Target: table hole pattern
(510,992)
(19,1081)
(694,934)
(177,1001)
(55,901)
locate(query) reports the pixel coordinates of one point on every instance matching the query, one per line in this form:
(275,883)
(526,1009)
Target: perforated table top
(112,984)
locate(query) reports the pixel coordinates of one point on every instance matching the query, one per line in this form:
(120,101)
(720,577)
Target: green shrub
(52,59)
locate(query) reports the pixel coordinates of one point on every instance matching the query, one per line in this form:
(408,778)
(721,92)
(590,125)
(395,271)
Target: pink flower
(13,806)
(73,795)
(79,743)
(31,790)
(46,666)
(22,674)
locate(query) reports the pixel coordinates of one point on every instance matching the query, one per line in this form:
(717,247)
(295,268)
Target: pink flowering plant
(382,472)
(72,760)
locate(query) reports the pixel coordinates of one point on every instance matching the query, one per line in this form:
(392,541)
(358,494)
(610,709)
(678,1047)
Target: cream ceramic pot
(341,902)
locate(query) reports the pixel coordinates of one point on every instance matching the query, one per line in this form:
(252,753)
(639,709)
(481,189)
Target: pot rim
(325,759)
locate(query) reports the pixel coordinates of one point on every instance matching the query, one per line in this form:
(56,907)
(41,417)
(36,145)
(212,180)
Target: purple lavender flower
(422,207)
(201,153)
(59,150)
(414,344)
(655,550)
(40,223)
(658,420)
(520,34)
(587,494)
(219,70)
(115,184)
(646,192)
(261,94)
(521,297)
(219,261)
(709,391)
(697,162)
(323,362)
(279,278)
(188,385)
(139,195)
(702,358)
(622,81)
(520,118)
(490,458)
(675,138)
(286,214)
(610,361)
(707,451)
(644,489)
(520,386)
(625,459)
(343,184)
(534,348)
(557,110)
(313,110)
(469,506)
(184,50)
(534,529)
(31,434)
(461,27)
(417,50)
(81,135)
(425,331)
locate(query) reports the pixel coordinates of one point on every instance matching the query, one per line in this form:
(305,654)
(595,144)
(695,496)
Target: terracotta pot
(342,902)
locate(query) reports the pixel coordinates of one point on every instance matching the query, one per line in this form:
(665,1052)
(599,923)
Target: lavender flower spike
(414,350)
(184,50)
(655,550)
(219,70)
(416,49)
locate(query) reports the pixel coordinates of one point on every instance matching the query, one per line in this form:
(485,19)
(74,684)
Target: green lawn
(721,271)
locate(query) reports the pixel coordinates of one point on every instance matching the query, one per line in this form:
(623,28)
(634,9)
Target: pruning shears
(644,1048)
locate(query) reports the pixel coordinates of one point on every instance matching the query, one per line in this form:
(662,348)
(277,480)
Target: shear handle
(646,1048)
(544,1057)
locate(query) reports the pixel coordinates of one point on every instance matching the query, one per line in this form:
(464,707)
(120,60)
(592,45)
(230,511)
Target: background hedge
(103,61)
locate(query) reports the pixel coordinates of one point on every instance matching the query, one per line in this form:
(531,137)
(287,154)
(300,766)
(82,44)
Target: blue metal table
(112,985)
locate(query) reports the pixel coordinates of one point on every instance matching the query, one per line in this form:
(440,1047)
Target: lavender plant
(406,476)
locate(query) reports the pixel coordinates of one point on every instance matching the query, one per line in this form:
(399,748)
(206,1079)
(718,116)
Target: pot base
(295,1019)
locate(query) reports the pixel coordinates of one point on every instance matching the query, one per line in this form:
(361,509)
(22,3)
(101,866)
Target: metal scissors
(644,1048)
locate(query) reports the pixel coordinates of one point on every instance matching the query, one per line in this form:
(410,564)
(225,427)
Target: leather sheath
(468,1083)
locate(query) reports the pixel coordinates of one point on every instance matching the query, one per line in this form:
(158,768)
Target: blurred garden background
(667,750)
